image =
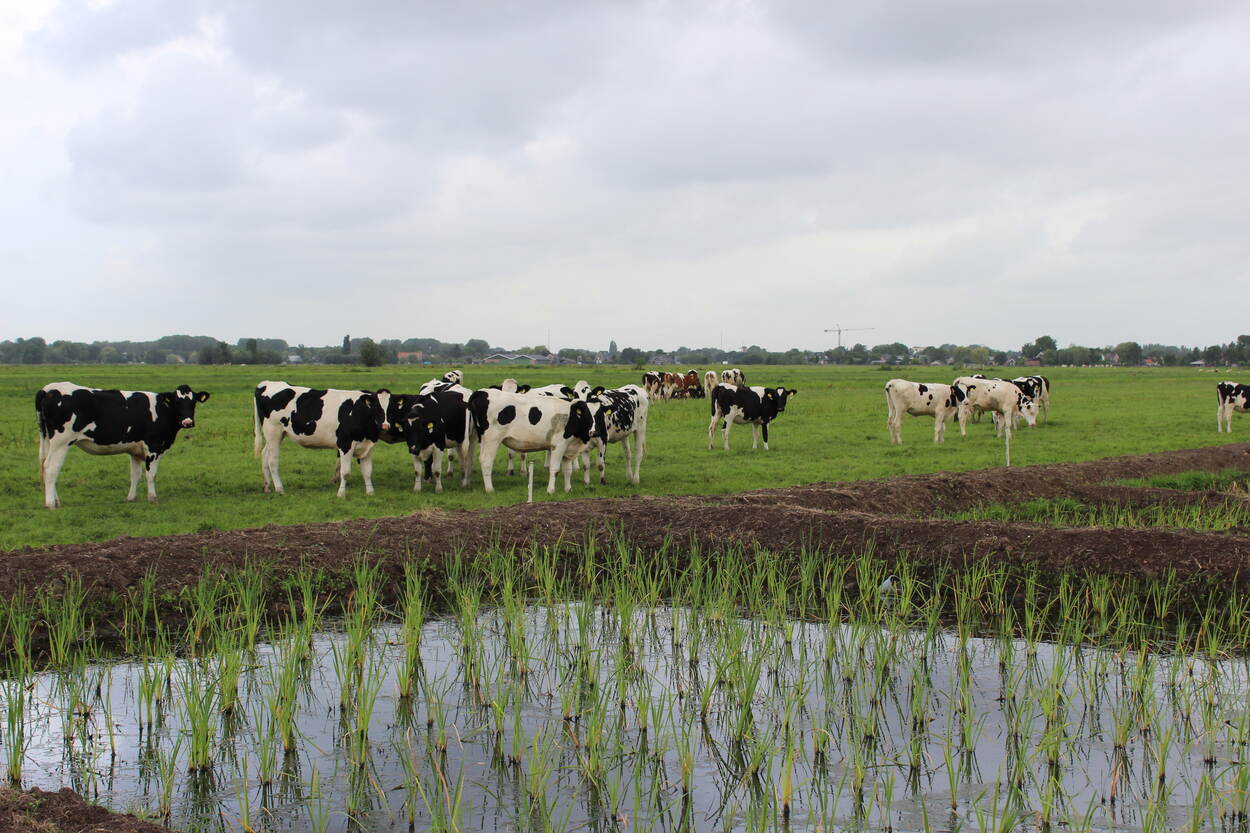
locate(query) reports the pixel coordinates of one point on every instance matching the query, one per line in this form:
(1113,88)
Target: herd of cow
(1008,402)
(443,421)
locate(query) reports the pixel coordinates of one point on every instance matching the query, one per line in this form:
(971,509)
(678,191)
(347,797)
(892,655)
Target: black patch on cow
(536,415)
(923,388)
(581,423)
(479,404)
(360,419)
(266,405)
(309,407)
(506,414)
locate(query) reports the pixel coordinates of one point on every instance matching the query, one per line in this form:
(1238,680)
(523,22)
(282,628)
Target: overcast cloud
(656,173)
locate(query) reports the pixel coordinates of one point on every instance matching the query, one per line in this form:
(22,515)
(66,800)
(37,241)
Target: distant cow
(620,417)
(349,421)
(1232,397)
(740,405)
(733,376)
(141,424)
(1036,388)
(528,423)
(653,383)
(558,391)
(1005,401)
(942,402)
(434,423)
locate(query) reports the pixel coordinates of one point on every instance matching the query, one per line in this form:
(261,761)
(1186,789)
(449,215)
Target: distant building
(516,358)
(410,357)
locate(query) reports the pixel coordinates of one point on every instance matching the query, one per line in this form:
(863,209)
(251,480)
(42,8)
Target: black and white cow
(1036,388)
(733,376)
(1232,397)
(620,417)
(942,402)
(434,423)
(653,383)
(525,423)
(1004,401)
(349,421)
(141,424)
(740,405)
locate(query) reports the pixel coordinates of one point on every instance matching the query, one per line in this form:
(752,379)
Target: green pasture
(834,430)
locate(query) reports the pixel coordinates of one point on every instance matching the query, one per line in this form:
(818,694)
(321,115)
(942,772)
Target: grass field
(833,430)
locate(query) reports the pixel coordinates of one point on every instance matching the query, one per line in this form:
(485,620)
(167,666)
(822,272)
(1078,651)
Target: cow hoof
(152,500)
(438,490)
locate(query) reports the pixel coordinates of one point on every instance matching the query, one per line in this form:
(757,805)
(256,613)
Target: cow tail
(43,430)
(256,438)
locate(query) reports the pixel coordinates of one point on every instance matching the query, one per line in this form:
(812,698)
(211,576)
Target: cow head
(383,397)
(453,377)
(423,424)
(181,404)
(780,395)
(396,406)
(1028,410)
(581,424)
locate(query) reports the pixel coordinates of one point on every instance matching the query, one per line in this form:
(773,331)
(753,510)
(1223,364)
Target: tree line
(185,349)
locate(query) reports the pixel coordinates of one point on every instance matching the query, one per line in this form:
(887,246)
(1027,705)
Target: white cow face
(1028,410)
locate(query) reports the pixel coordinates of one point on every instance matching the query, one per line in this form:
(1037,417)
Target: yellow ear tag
(607,410)
(429,426)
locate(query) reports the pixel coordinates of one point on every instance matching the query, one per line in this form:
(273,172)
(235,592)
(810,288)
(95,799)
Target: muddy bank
(891,515)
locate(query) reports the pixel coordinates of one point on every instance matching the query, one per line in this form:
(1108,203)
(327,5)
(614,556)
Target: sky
(660,174)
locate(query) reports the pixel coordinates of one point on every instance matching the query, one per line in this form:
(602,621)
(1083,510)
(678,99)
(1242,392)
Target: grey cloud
(82,38)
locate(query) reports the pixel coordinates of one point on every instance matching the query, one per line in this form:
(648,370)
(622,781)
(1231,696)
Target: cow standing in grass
(1004,401)
(526,423)
(942,402)
(740,405)
(349,421)
(141,424)
(620,417)
(1232,397)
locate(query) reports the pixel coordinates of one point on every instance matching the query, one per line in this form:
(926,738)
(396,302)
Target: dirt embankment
(892,515)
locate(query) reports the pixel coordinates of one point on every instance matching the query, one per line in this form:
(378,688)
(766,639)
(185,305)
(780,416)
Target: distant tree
(33,349)
(1213,355)
(455,351)
(253,351)
(347,345)
(612,349)
(1046,343)
(371,353)
(632,355)
(476,347)
(1130,353)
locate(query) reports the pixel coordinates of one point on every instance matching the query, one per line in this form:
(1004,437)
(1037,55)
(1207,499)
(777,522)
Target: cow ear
(400,400)
(598,390)
(792,392)
(523,388)
(202,396)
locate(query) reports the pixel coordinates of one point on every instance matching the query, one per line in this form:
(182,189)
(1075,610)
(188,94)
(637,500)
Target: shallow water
(768,688)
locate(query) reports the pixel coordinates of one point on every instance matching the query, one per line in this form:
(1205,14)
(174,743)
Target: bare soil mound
(891,515)
(64,811)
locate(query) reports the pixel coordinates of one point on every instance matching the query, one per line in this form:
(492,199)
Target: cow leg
(51,470)
(725,431)
(640,449)
(366,469)
(939,427)
(583,459)
(555,461)
(627,450)
(151,471)
(136,472)
(437,454)
(1008,441)
(1223,415)
(764,431)
(466,462)
(566,466)
(711,429)
(345,466)
(486,462)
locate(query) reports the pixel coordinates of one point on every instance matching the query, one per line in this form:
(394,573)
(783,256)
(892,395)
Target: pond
(584,716)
